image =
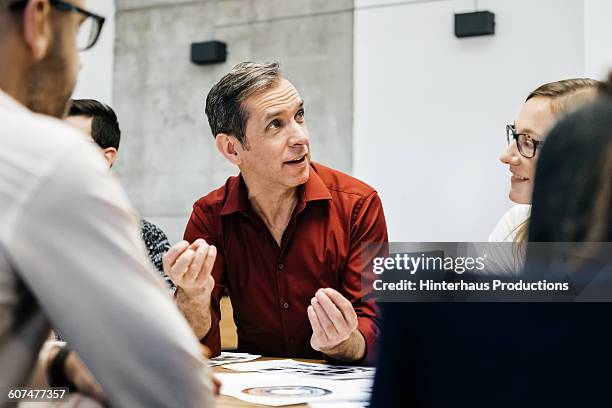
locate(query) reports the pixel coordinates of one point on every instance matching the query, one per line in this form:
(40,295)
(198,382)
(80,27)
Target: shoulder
(505,230)
(341,183)
(45,159)
(40,145)
(151,233)
(38,132)
(213,202)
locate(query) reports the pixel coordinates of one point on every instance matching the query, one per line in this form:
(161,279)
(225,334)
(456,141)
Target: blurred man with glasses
(58,262)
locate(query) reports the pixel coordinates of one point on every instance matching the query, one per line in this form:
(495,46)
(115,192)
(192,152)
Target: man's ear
(37,30)
(229,147)
(110,154)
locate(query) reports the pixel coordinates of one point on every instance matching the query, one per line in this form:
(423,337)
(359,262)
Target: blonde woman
(540,112)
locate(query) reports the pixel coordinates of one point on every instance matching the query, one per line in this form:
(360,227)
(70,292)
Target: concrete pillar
(167,157)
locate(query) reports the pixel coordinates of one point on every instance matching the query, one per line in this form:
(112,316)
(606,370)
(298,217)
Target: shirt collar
(237,198)
(9,103)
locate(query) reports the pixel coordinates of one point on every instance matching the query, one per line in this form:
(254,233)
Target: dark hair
(104,126)
(224,103)
(572,197)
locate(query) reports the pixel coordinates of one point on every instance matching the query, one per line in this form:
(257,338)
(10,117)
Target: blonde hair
(565,97)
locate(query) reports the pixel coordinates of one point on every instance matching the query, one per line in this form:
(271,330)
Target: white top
(506,257)
(71,254)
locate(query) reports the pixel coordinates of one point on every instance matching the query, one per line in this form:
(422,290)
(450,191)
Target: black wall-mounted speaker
(209,52)
(474,24)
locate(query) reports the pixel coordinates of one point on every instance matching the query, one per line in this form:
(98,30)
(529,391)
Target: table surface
(223,401)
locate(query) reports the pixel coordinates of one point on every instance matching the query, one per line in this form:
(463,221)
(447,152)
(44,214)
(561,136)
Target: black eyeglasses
(527,146)
(90,28)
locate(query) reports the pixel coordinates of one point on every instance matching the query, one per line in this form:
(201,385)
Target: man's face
(51,80)
(278,152)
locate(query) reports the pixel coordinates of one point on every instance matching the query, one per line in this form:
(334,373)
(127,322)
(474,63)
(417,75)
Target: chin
(518,198)
(298,180)
(301,180)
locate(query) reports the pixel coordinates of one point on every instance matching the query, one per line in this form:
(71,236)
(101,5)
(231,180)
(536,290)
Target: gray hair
(224,103)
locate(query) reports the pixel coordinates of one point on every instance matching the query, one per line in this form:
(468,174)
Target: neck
(11,87)
(12,73)
(273,205)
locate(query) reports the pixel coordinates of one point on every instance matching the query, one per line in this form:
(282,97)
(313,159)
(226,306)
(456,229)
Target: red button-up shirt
(270,286)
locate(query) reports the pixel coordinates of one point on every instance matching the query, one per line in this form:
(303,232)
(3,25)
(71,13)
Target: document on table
(227,358)
(288,366)
(339,404)
(288,389)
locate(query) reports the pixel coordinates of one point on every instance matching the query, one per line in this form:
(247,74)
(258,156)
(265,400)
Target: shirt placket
(284,296)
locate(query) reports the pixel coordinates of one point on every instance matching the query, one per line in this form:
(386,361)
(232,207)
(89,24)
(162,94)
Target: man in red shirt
(284,236)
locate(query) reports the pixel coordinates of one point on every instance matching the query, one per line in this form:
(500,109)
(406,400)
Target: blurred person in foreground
(70,250)
(572,198)
(526,353)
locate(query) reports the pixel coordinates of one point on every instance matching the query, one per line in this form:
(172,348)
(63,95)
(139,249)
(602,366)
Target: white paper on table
(339,404)
(288,366)
(228,358)
(284,389)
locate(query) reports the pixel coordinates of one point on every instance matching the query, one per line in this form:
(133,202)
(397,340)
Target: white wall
(598,37)
(96,76)
(431,109)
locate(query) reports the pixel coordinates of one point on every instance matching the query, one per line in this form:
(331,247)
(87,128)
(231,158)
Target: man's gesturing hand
(190,267)
(334,326)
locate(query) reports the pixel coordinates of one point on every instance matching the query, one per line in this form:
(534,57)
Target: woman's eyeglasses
(527,146)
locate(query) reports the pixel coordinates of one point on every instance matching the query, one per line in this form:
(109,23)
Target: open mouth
(516,177)
(298,160)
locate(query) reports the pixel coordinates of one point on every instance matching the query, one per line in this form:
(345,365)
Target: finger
(181,266)
(345,306)
(198,243)
(98,392)
(216,383)
(173,253)
(332,311)
(317,330)
(209,262)
(205,351)
(198,261)
(325,321)
(210,284)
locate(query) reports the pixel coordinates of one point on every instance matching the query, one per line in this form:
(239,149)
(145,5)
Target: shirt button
(286,305)
(281,266)
(291,340)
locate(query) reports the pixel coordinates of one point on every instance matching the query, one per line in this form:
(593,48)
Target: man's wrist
(350,350)
(58,373)
(196,311)
(198,296)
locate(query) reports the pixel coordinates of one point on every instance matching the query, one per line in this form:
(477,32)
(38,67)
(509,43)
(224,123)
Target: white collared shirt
(504,256)
(71,255)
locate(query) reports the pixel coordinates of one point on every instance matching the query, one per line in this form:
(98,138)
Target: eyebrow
(280,112)
(527,131)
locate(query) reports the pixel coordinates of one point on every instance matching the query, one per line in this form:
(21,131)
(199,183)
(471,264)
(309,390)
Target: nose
(299,135)
(511,155)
